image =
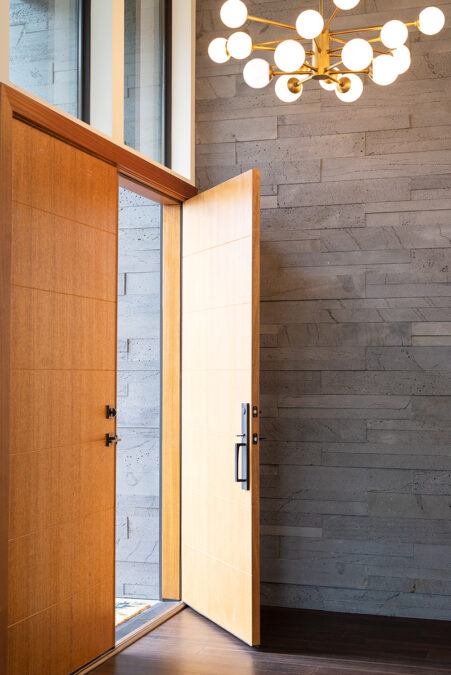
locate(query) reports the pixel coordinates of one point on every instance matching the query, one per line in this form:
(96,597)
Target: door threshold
(134,623)
(168,610)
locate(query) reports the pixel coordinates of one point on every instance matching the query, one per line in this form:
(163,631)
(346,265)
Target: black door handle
(111,439)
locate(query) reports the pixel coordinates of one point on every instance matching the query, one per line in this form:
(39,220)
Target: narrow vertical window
(143,71)
(44,50)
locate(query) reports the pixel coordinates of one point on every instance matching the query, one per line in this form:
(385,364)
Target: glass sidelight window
(138,406)
(143,74)
(44,55)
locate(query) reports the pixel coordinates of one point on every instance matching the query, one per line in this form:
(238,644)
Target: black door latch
(112,439)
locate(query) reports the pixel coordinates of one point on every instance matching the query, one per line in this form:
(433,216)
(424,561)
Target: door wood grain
(62,366)
(220,371)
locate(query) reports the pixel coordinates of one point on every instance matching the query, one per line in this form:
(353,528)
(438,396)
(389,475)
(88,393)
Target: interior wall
(356,318)
(138,399)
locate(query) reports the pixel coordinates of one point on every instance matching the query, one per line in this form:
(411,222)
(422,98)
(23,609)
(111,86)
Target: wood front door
(62,376)
(220,382)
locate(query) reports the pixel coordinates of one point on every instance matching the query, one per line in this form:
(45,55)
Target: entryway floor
(299,643)
(127,608)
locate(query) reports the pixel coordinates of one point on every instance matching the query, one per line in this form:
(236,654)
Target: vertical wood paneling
(63,374)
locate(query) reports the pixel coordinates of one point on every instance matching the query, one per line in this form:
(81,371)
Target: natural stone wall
(356,319)
(138,398)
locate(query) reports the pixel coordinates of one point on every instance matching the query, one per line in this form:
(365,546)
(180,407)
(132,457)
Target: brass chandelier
(336,58)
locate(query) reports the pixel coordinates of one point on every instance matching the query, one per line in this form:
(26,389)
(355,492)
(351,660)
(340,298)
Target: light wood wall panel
(63,362)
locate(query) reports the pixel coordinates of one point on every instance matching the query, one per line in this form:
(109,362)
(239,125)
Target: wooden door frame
(135,172)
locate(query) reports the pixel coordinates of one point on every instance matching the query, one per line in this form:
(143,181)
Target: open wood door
(220,405)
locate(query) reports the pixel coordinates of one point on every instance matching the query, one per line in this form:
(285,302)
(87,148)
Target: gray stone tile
(436,507)
(346,192)
(225,131)
(409,358)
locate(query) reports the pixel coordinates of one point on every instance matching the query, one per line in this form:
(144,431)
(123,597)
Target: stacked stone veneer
(356,318)
(138,398)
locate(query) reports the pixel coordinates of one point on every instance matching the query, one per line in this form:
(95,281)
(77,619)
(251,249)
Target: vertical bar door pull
(244,445)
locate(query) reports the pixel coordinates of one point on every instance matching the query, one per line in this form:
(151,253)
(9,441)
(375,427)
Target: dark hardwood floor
(295,641)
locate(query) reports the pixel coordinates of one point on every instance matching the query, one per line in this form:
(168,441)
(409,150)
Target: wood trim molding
(5,333)
(170,459)
(128,162)
(256,401)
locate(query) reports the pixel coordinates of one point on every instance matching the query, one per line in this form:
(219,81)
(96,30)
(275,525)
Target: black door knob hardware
(110,412)
(112,439)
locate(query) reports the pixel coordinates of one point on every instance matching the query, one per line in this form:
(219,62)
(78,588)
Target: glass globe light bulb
(346,4)
(257,73)
(239,45)
(402,58)
(394,34)
(357,54)
(328,85)
(283,91)
(431,20)
(384,70)
(233,13)
(217,50)
(289,55)
(309,24)
(354,92)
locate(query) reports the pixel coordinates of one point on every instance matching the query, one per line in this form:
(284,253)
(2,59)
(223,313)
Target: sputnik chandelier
(336,58)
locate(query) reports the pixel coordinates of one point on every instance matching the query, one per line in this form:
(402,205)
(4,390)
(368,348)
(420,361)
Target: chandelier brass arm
(294,64)
(331,18)
(269,22)
(349,31)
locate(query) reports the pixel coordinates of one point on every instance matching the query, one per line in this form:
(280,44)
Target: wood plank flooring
(302,642)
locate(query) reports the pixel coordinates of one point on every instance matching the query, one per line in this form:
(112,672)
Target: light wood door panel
(69,632)
(63,374)
(57,178)
(59,405)
(59,331)
(38,235)
(220,371)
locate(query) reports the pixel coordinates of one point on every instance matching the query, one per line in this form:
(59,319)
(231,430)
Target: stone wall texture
(356,318)
(138,399)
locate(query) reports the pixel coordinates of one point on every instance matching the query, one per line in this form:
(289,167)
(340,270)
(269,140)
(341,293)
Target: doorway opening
(138,592)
